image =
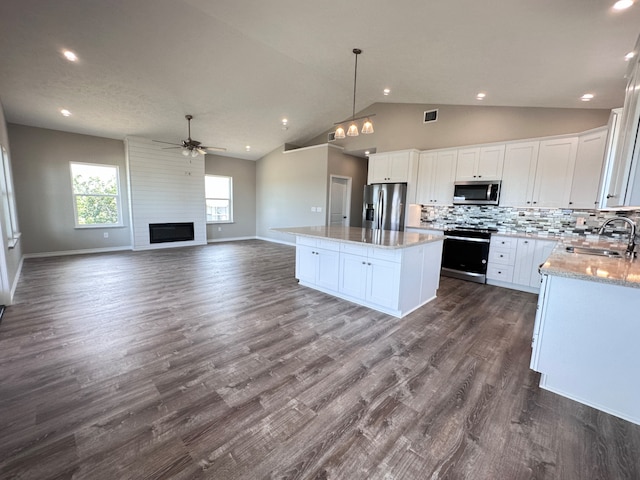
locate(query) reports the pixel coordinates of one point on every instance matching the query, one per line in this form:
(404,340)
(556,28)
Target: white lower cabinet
(318,266)
(514,262)
(585,344)
(393,281)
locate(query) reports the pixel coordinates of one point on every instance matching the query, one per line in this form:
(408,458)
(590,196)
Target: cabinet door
(519,174)
(444,174)
(586,174)
(306,264)
(398,167)
(353,276)
(467,167)
(378,168)
(542,251)
(328,269)
(524,263)
(426,170)
(382,283)
(538,326)
(554,173)
(490,163)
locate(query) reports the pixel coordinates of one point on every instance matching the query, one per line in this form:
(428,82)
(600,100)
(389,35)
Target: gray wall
(12,256)
(244,196)
(399,126)
(288,185)
(43,189)
(356,168)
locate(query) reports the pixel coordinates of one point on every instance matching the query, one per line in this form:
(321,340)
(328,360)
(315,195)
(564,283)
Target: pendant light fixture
(352,131)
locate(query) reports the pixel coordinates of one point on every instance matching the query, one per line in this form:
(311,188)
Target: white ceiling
(241,66)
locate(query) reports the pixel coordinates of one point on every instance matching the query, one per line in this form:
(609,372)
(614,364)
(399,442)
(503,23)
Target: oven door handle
(469,239)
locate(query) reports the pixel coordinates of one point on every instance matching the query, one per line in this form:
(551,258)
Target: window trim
(117,196)
(11,222)
(230,199)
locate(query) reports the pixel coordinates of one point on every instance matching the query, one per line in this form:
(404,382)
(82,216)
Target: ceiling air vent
(331,136)
(430,116)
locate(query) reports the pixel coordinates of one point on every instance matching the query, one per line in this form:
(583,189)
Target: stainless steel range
(466,253)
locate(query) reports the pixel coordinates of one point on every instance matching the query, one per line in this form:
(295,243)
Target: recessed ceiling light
(248,148)
(367,152)
(629,56)
(480,96)
(285,121)
(587,97)
(65,112)
(622,4)
(69,55)
(386,91)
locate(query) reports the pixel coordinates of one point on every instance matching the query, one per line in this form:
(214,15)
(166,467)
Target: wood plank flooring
(212,363)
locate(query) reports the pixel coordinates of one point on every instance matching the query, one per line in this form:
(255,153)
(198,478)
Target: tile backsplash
(506,219)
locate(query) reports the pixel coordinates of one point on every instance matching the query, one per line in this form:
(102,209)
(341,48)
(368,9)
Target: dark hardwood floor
(211,362)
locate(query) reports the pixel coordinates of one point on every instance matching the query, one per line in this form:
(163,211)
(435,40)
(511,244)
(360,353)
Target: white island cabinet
(585,338)
(391,272)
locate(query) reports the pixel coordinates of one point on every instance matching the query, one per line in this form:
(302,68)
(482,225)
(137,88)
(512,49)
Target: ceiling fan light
(185,152)
(367,127)
(194,153)
(340,132)
(353,130)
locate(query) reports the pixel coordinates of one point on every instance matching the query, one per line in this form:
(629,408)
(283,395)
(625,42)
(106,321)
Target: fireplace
(170,232)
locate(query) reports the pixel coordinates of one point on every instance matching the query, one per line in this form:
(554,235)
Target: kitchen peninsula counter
(388,271)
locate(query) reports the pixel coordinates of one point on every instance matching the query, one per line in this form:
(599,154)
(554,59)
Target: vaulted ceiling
(240,67)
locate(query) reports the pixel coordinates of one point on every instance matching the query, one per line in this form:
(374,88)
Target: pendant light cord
(355,79)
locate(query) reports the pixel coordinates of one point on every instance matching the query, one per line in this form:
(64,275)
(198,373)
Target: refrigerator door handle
(380,209)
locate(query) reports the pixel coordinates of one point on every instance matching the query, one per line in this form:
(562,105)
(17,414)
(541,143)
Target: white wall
(288,185)
(166,187)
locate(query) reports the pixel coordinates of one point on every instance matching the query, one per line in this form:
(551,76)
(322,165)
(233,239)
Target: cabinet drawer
(389,254)
(503,273)
(310,242)
(502,256)
(505,243)
(328,245)
(354,249)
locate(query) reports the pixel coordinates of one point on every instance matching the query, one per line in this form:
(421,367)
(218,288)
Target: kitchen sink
(602,252)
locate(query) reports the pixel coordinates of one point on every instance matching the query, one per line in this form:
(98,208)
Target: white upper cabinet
(436,174)
(480,163)
(587,171)
(390,167)
(519,174)
(554,172)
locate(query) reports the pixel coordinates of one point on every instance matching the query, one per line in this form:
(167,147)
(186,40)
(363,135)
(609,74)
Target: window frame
(9,199)
(117,196)
(230,199)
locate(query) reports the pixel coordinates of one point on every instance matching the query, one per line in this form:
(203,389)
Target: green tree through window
(96,194)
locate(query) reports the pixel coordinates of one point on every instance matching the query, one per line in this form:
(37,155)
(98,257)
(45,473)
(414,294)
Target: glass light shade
(185,152)
(194,153)
(367,127)
(340,132)
(353,130)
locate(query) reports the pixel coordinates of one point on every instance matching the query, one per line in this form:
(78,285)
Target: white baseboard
(273,240)
(76,252)
(16,279)
(234,239)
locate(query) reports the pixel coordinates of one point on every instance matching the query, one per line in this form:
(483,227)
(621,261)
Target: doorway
(339,201)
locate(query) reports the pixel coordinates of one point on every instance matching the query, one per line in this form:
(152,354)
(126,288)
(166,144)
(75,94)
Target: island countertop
(623,271)
(364,236)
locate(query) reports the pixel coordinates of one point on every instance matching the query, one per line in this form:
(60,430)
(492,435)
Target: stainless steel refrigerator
(384,205)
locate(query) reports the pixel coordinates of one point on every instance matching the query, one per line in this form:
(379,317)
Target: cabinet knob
(479,176)
(535,203)
(368,264)
(570,203)
(364,263)
(499,272)
(526,241)
(528,202)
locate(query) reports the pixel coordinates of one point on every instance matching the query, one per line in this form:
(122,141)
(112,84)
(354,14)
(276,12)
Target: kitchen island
(585,338)
(388,271)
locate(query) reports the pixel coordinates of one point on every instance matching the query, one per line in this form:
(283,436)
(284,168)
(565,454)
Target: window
(96,194)
(218,191)
(8,201)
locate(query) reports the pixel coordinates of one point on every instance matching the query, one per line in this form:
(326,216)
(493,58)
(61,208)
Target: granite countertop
(377,238)
(623,271)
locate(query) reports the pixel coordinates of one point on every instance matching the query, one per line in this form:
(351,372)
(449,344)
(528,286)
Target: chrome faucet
(632,233)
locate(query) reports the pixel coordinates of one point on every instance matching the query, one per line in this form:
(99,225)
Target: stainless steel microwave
(477,193)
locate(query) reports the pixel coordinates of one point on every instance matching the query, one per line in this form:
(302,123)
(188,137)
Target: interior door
(339,201)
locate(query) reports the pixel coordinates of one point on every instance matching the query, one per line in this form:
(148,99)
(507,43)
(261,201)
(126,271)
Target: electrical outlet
(319,209)
(313,209)
(219,229)
(106,234)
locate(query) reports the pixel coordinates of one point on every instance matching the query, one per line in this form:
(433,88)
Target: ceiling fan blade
(201,151)
(215,149)
(169,148)
(168,143)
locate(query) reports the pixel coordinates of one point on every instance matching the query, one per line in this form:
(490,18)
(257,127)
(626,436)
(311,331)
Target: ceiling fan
(189,146)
